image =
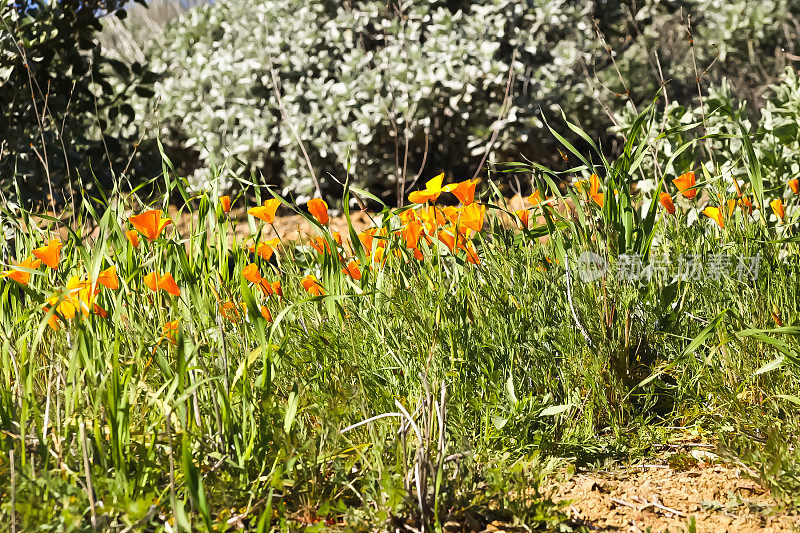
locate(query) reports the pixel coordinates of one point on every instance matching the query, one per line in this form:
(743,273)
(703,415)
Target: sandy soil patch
(718,497)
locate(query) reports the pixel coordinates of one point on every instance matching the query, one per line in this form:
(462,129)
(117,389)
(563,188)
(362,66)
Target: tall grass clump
(430,369)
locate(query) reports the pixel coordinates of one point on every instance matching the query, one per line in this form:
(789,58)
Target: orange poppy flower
(794,185)
(76,284)
(108,278)
(167,283)
(464,191)
(170,329)
(352,270)
(448,238)
(251,273)
(277,289)
(54,322)
(154,282)
(266,249)
(411,233)
(451,213)
(20,276)
(64,306)
(594,190)
(366,238)
(746,205)
(133,237)
(265,287)
(151,281)
(433,188)
(49,254)
(312,286)
(318,208)
(274,243)
(337,237)
(777,208)
(431,218)
(593,183)
(150,224)
(378,255)
(524,217)
(263,250)
(266,314)
(685,184)
(267,211)
(320,244)
(472,217)
(225,202)
(407,216)
(78,298)
(229,311)
(81,295)
(731,206)
(472,255)
(666,200)
(715,214)
(418,254)
(382,238)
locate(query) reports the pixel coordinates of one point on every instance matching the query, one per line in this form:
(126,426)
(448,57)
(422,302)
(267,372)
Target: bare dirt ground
(717,496)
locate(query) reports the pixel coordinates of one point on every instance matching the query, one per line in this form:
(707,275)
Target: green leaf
(512,397)
(772,365)
(555,409)
(499,422)
(291,409)
(788,397)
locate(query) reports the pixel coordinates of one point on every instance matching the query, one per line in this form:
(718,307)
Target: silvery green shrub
(775,137)
(779,148)
(368,85)
(357,85)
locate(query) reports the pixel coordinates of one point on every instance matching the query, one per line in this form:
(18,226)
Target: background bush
(66,112)
(359,79)
(775,139)
(382,90)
